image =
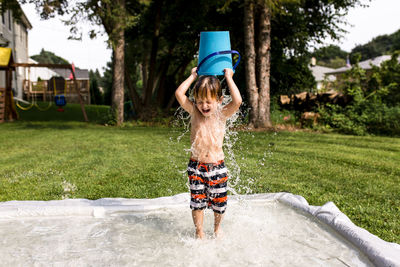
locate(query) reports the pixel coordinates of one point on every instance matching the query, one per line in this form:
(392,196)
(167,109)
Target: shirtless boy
(206,169)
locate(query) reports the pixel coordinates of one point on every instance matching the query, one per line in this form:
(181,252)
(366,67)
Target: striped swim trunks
(208,185)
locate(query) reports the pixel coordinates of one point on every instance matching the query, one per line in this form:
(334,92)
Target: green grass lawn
(72,112)
(43,160)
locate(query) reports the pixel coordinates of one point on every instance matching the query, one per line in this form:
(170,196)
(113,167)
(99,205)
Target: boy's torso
(207,137)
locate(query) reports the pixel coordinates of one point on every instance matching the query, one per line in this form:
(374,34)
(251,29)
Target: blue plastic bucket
(215,53)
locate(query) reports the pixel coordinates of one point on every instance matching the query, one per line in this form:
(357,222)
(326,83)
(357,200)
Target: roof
(320,71)
(366,64)
(80,74)
(25,20)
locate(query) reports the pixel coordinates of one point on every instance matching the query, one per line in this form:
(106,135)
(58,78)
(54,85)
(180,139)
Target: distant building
(366,65)
(82,79)
(37,74)
(80,74)
(14,35)
(319,73)
(37,83)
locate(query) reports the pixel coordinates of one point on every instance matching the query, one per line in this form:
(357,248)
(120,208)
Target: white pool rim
(378,251)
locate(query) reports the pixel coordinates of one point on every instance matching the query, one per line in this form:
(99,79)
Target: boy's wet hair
(207,85)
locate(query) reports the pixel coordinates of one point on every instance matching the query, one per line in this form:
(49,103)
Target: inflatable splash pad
(278,229)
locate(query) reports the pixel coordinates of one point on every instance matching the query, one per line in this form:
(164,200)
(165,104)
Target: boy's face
(207,106)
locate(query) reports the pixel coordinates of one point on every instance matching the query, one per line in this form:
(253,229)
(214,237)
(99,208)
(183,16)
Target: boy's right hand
(194,72)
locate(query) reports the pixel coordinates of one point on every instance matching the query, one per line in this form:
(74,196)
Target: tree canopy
(334,57)
(330,56)
(49,57)
(296,26)
(380,45)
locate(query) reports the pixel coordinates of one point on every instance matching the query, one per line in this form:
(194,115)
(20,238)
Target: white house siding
(319,75)
(34,74)
(16,35)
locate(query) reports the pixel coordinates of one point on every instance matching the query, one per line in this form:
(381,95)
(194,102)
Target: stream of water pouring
(182,120)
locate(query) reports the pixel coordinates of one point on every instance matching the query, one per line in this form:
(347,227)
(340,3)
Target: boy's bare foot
(218,234)
(217,223)
(198,216)
(200,235)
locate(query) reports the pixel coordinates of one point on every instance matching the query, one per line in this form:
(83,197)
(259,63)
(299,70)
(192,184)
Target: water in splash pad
(261,230)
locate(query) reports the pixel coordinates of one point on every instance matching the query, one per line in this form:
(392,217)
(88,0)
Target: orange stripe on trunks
(198,196)
(196,178)
(220,199)
(220,181)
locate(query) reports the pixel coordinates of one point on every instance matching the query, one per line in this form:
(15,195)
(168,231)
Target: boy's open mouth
(206,110)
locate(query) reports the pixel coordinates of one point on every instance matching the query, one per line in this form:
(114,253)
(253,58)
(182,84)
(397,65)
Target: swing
(30,105)
(18,102)
(60,99)
(34,100)
(45,108)
(51,66)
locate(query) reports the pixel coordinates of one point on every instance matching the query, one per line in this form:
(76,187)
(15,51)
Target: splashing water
(231,137)
(182,120)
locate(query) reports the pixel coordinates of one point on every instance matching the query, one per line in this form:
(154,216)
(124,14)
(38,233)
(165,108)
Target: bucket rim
(213,31)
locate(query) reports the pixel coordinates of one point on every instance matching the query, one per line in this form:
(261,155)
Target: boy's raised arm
(234,105)
(180,93)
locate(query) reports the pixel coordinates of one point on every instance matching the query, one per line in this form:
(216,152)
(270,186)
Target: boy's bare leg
(198,216)
(217,222)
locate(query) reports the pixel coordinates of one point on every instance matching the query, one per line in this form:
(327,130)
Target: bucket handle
(220,53)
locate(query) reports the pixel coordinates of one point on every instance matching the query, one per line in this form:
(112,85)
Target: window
(21,32)
(9,20)
(2,18)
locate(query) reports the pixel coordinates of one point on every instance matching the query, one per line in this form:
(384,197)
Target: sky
(52,35)
(381,17)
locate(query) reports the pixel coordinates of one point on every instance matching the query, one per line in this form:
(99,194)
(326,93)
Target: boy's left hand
(228,73)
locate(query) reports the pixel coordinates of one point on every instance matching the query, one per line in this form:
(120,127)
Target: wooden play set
(8,110)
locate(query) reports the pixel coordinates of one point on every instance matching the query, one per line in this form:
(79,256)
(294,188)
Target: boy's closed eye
(202,102)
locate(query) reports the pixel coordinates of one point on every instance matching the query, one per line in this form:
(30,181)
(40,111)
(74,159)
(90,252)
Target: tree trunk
(264,56)
(180,71)
(153,55)
(118,78)
(250,62)
(161,84)
(135,97)
(145,67)
(10,112)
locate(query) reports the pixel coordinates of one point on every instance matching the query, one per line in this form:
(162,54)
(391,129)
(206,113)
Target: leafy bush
(279,115)
(362,119)
(384,120)
(344,120)
(376,101)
